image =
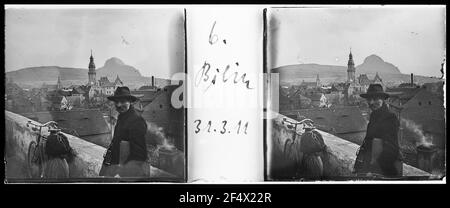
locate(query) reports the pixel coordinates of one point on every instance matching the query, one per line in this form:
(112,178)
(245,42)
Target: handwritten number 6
(213,37)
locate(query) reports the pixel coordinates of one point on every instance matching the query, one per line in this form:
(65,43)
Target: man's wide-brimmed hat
(375,90)
(122,93)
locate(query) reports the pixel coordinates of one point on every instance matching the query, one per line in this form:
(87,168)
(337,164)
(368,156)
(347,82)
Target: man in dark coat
(380,153)
(127,153)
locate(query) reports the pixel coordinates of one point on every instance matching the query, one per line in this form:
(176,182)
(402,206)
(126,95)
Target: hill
(391,75)
(374,63)
(47,74)
(36,76)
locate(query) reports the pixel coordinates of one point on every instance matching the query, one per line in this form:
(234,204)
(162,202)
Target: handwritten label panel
(225,141)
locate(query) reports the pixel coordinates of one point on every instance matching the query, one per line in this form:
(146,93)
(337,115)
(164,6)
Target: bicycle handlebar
(306,120)
(52,125)
(43,125)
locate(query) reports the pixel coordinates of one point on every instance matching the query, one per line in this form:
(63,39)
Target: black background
(167,195)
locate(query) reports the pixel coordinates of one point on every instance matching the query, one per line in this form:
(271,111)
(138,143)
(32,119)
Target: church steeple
(318,81)
(91,62)
(350,58)
(59,84)
(91,72)
(351,68)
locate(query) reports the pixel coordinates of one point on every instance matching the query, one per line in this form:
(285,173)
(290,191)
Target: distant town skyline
(151,40)
(410,37)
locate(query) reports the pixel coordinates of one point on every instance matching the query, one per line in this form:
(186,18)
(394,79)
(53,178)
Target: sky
(151,40)
(412,38)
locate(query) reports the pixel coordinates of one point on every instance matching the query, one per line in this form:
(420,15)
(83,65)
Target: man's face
(122,105)
(375,102)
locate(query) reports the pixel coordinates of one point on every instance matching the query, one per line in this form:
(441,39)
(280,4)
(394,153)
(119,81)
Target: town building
(16,99)
(293,99)
(427,111)
(377,79)
(103,87)
(355,86)
(404,92)
(318,100)
(53,87)
(161,112)
(311,85)
(146,96)
(334,98)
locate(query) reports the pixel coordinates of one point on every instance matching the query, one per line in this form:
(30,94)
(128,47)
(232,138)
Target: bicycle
(307,151)
(307,124)
(36,156)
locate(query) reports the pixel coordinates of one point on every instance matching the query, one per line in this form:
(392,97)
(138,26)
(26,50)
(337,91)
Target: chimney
(412,79)
(426,155)
(153,81)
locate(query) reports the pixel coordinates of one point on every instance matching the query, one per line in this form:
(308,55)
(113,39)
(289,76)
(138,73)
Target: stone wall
(86,164)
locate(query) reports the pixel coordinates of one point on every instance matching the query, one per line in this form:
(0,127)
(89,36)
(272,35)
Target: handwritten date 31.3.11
(223,127)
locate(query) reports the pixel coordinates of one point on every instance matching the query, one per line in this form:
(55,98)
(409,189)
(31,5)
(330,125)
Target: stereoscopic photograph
(356,93)
(91,96)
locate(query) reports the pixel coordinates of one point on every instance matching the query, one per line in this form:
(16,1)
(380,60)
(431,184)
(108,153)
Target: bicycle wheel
(32,166)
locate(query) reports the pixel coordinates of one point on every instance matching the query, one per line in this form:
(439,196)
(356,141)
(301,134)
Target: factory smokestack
(153,81)
(412,79)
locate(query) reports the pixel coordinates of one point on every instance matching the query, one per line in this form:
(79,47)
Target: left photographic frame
(94,94)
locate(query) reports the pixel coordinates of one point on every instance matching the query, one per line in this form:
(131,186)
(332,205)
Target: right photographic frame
(355,93)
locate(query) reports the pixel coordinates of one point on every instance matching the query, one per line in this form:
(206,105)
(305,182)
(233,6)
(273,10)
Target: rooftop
(85,122)
(339,120)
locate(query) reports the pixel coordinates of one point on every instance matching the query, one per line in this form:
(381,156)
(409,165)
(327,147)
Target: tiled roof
(316,96)
(145,95)
(50,86)
(403,92)
(309,84)
(364,80)
(78,90)
(339,120)
(108,85)
(85,122)
(118,81)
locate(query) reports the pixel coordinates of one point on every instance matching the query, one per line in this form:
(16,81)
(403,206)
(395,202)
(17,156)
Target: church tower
(318,84)
(59,84)
(91,73)
(351,69)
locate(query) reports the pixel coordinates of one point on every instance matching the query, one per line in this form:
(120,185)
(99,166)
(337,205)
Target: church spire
(91,62)
(91,72)
(351,68)
(59,84)
(318,81)
(350,58)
